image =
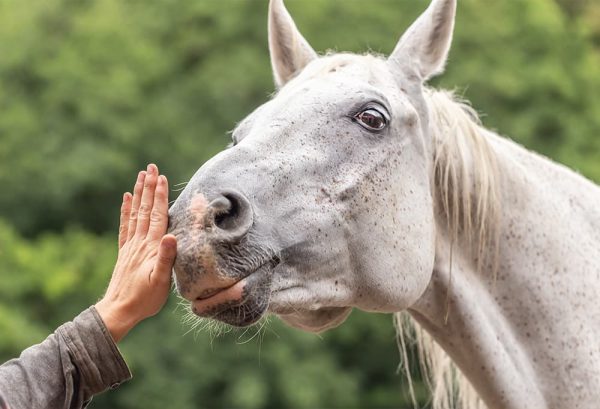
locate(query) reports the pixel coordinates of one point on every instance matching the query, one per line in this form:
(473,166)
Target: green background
(91,91)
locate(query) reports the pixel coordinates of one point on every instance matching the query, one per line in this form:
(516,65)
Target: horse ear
(424,46)
(290,52)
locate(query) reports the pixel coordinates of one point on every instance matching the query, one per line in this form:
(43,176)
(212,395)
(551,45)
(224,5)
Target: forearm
(76,362)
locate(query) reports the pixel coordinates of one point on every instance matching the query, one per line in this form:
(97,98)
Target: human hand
(141,280)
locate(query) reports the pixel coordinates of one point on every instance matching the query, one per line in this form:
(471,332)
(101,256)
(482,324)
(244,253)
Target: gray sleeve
(76,362)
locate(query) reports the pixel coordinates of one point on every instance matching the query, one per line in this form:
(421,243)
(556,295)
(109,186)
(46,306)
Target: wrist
(116,320)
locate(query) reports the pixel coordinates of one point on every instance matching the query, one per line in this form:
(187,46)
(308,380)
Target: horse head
(323,202)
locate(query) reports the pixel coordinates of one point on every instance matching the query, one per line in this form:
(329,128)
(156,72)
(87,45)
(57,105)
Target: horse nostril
(232,215)
(226,217)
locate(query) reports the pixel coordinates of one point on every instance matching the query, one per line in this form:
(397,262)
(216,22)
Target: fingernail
(125,196)
(162,179)
(141,175)
(150,168)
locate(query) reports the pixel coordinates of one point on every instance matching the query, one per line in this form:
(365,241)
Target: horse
(358,186)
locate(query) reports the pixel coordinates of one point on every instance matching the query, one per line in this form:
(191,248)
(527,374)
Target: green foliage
(91,91)
(47,281)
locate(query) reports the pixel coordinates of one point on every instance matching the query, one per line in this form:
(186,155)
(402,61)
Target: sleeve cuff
(94,352)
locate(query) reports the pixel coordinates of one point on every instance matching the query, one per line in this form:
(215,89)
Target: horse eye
(371,119)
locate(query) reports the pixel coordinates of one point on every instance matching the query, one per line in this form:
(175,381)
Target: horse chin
(242,315)
(318,320)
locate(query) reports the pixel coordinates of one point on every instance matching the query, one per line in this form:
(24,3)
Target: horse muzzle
(220,268)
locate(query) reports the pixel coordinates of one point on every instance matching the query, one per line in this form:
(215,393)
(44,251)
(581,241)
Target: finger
(124,221)
(159,217)
(135,203)
(167,251)
(143,221)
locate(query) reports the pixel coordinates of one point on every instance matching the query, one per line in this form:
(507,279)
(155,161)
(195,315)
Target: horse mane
(466,195)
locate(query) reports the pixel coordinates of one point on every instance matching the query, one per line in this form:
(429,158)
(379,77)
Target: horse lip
(206,294)
(213,292)
(230,294)
(211,298)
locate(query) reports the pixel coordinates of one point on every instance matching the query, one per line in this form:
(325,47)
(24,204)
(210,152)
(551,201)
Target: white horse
(358,186)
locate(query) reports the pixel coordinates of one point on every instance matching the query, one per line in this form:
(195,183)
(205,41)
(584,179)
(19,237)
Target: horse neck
(523,329)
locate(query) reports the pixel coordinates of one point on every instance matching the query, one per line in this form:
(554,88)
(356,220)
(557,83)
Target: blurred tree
(92,91)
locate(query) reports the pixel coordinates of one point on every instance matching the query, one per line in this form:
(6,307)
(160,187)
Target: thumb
(167,251)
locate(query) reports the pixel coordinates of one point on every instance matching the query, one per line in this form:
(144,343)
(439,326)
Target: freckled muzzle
(220,268)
